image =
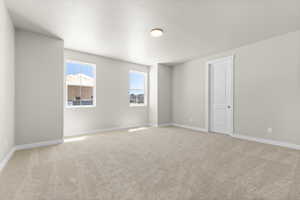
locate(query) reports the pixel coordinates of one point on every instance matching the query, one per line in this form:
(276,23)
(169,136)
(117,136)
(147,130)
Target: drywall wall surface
(164,94)
(7,82)
(39,88)
(153,98)
(188,94)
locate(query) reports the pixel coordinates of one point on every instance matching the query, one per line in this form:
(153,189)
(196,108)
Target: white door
(221,95)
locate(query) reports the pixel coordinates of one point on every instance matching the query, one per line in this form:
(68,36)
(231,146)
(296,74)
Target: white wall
(112,110)
(7,85)
(153,95)
(164,94)
(160,110)
(267,89)
(39,88)
(188,94)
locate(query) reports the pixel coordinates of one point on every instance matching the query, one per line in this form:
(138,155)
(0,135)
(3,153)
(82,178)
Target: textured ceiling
(120,28)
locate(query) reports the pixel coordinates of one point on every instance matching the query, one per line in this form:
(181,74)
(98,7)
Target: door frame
(208,92)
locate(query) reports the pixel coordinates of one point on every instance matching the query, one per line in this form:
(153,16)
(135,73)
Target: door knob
(228,107)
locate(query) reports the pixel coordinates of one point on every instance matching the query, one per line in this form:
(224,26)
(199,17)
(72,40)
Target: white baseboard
(161,125)
(7,157)
(39,144)
(90,132)
(267,141)
(190,127)
(244,137)
(153,125)
(165,124)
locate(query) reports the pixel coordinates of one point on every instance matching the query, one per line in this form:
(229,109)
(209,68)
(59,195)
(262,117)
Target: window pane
(136,81)
(80,80)
(87,70)
(136,96)
(87,85)
(73,95)
(136,88)
(86,95)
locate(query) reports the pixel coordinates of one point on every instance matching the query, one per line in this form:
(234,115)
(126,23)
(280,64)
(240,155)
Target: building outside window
(81,84)
(137,88)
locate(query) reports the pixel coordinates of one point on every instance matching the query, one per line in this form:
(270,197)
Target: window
(81,84)
(137,88)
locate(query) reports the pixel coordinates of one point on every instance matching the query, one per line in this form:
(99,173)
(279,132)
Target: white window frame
(145,74)
(94,88)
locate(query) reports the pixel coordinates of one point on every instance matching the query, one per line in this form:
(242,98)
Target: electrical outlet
(270,130)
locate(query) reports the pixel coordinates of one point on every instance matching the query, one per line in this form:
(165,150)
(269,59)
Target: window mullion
(80,86)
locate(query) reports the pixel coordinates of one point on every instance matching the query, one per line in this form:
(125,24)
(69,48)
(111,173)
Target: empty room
(149,100)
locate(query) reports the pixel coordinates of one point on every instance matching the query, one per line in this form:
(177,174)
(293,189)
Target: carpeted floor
(153,164)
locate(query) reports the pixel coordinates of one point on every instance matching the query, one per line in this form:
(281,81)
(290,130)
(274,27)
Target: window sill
(137,105)
(75,107)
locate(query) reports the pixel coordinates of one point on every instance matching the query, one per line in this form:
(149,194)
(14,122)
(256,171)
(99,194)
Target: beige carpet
(153,164)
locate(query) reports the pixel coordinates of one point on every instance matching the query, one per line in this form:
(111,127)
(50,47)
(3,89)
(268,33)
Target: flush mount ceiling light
(157,32)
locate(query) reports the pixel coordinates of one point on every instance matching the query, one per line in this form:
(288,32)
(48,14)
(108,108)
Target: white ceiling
(120,28)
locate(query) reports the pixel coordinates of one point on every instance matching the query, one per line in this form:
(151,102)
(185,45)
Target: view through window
(137,88)
(81,83)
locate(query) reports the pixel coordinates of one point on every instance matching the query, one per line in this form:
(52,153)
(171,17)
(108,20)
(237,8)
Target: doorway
(220,95)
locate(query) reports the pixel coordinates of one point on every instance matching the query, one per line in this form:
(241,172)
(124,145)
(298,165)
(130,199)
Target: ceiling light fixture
(157,32)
